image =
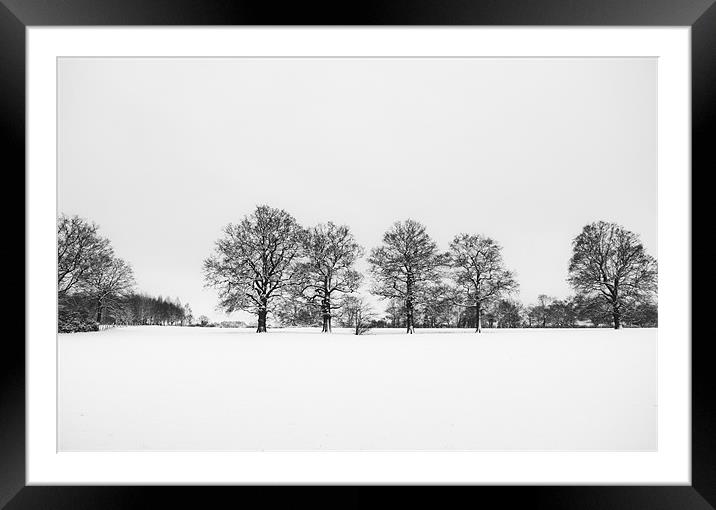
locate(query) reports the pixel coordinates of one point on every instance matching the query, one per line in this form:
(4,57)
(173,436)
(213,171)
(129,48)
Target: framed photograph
(442,246)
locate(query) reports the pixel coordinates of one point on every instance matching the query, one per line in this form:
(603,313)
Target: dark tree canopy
(508,313)
(80,250)
(255,262)
(142,309)
(562,313)
(406,266)
(330,253)
(609,263)
(478,268)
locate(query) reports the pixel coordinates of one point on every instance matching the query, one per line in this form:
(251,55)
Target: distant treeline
(95,287)
(572,312)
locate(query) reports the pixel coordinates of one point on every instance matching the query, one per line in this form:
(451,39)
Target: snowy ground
(171,388)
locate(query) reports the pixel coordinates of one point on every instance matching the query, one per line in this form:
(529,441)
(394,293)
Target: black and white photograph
(357,254)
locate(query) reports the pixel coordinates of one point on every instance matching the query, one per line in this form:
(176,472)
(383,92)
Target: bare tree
(358,314)
(255,261)
(479,269)
(542,308)
(109,279)
(79,248)
(405,265)
(609,262)
(331,252)
(187,316)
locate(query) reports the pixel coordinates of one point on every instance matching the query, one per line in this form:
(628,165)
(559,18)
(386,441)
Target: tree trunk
(409,312)
(478,326)
(409,320)
(616,306)
(263,311)
(99,311)
(326,311)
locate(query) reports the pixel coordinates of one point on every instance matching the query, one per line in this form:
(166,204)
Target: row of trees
(95,287)
(268,263)
(144,310)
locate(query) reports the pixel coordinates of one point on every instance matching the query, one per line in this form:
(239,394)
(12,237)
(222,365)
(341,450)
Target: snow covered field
(171,388)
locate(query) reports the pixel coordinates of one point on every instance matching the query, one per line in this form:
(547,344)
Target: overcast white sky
(162,153)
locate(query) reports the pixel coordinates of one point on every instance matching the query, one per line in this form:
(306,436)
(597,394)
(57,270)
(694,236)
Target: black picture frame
(16,15)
